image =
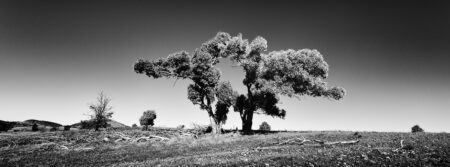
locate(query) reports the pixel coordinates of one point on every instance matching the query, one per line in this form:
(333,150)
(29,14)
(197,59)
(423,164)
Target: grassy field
(88,148)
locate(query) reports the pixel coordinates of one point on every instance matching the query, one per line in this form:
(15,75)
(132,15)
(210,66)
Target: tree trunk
(216,127)
(247,122)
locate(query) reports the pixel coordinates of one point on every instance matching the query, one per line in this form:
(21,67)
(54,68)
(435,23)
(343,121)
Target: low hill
(7,125)
(116,124)
(111,123)
(41,122)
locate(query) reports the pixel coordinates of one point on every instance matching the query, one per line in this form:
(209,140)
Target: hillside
(111,123)
(42,123)
(7,125)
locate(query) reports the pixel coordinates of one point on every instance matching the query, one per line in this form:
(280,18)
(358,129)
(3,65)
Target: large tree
(207,90)
(291,73)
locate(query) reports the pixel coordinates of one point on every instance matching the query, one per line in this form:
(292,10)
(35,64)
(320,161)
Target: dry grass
(86,148)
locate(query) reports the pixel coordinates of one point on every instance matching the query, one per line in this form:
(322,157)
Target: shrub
(147,118)
(34,128)
(201,128)
(134,126)
(87,124)
(54,128)
(264,126)
(67,127)
(416,128)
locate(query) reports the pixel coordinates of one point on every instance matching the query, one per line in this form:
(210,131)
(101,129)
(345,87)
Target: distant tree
(264,126)
(134,126)
(34,128)
(416,128)
(148,118)
(101,111)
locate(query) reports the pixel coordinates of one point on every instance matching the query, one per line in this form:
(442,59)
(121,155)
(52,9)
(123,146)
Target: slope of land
(175,148)
(111,123)
(42,123)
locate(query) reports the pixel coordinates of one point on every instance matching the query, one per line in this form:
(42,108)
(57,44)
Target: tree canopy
(206,88)
(148,118)
(292,73)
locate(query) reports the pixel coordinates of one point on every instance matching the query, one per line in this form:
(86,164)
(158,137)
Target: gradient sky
(391,57)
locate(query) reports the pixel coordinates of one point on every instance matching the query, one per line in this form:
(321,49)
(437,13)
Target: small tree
(34,128)
(148,118)
(134,126)
(264,126)
(101,111)
(416,128)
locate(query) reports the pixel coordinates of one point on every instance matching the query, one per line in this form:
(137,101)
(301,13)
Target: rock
(106,139)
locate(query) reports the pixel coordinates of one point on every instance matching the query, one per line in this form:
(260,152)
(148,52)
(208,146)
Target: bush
(54,128)
(67,127)
(134,126)
(87,124)
(416,128)
(147,118)
(34,128)
(201,128)
(264,126)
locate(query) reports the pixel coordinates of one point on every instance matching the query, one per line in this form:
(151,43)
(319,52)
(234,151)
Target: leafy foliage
(206,88)
(292,73)
(264,126)
(148,118)
(101,111)
(416,128)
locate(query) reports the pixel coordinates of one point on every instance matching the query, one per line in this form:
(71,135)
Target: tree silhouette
(292,73)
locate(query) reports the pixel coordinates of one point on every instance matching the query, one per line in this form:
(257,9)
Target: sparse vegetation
(86,124)
(416,128)
(264,126)
(87,148)
(147,118)
(101,111)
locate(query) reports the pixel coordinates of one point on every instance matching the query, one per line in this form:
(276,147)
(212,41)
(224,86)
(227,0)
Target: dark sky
(392,57)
